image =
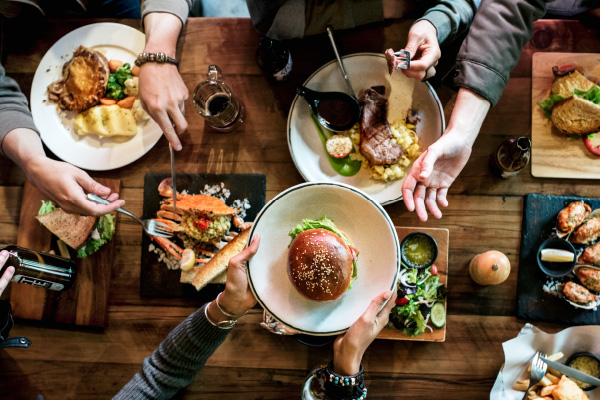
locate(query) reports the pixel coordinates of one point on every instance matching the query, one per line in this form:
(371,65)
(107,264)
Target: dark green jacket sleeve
(451,18)
(14,110)
(493,45)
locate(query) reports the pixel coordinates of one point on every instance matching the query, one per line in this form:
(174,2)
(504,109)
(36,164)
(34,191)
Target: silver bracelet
(227,324)
(233,316)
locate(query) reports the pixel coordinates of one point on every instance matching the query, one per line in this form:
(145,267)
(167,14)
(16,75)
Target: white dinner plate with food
(91,152)
(364,70)
(354,212)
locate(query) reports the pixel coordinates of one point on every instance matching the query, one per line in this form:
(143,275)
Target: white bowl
(354,212)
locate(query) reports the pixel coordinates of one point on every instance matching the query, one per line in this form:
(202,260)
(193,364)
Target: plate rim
(301,186)
(307,81)
(36,111)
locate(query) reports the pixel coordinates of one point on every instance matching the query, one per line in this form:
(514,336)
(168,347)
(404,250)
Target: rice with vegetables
(403,134)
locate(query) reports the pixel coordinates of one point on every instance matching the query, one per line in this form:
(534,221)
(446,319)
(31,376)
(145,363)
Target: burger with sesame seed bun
(321,260)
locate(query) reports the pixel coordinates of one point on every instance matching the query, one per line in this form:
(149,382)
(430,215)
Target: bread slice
(565,85)
(72,229)
(218,264)
(576,116)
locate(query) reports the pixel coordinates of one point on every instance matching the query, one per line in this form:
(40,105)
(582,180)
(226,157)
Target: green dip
(419,250)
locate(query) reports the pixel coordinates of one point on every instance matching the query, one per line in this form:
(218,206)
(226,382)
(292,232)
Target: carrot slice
(135,70)
(127,102)
(114,64)
(107,102)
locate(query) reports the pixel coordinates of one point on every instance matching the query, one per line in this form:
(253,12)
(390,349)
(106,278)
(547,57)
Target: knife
(572,372)
(173,178)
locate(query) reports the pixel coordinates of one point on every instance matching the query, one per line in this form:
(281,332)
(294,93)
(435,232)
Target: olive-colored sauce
(336,112)
(587,365)
(418,250)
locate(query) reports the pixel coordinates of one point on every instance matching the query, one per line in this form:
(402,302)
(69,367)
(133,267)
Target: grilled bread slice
(72,229)
(565,85)
(576,116)
(83,82)
(218,264)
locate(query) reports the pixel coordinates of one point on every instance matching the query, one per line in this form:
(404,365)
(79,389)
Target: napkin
(519,351)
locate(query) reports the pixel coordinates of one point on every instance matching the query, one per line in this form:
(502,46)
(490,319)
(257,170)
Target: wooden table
(484,213)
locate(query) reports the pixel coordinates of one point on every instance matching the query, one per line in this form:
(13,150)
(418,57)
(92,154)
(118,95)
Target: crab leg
(173,249)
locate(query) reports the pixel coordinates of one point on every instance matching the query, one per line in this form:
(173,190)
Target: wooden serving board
(85,303)
(441,236)
(553,154)
(533,303)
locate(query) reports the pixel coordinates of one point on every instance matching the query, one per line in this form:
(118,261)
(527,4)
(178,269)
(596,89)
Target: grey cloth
(290,19)
(14,109)
(176,361)
(495,40)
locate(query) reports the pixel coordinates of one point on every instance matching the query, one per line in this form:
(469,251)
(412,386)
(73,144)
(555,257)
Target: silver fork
(403,57)
(538,370)
(152,227)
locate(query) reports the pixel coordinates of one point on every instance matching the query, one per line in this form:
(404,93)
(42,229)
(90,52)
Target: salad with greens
(421,298)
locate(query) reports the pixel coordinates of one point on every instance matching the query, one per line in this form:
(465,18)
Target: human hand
(348,348)
(163,95)
(67,186)
(432,174)
(237,297)
(424,49)
(8,274)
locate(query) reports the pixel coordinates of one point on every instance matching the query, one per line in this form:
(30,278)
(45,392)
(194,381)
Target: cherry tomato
(592,143)
(434,270)
(402,301)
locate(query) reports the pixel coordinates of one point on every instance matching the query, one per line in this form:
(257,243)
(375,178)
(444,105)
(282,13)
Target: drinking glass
(214,101)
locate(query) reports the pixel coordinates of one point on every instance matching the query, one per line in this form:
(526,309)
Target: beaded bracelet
(345,387)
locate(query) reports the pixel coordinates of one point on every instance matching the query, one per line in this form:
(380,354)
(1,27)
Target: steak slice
(375,135)
(83,82)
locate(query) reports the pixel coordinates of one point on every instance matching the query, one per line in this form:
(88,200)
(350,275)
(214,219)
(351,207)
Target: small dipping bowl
(556,269)
(418,250)
(587,363)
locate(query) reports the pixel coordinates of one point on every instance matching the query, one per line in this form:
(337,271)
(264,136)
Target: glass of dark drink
(214,101)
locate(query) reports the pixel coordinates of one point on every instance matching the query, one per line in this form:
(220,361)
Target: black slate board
(539,219)
(156,280)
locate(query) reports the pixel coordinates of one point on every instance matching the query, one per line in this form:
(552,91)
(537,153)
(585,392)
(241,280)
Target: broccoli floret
(113,89)
(123,73)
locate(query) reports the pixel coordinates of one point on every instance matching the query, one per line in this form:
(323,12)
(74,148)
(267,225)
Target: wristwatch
(155,57)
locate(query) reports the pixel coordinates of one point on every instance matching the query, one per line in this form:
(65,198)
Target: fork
(403,59)
(152,227)
(538,370)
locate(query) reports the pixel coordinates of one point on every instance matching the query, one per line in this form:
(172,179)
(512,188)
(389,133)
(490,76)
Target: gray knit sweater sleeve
(14,111)
(178,358)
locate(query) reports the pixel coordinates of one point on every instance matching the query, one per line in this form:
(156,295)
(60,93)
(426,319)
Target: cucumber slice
(438,315)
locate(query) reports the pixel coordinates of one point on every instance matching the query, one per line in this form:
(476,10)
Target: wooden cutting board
(553,154)
(85,303)
(442,237)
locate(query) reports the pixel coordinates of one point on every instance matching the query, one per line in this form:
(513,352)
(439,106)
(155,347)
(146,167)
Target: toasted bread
(218,264)
(83,82)
(576,116)
(565,85)
(72,229)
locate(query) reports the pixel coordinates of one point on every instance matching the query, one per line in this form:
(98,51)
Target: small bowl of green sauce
(587,363)
(418,250)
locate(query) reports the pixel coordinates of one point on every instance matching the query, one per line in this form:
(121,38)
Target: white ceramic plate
(364,70)
(89,152)
(354,212)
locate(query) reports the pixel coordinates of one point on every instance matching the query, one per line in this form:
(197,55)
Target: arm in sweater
(175,363)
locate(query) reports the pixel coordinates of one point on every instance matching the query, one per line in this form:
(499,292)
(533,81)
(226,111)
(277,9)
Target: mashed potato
(403,134)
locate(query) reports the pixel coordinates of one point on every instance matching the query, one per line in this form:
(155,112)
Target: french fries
(544,388)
